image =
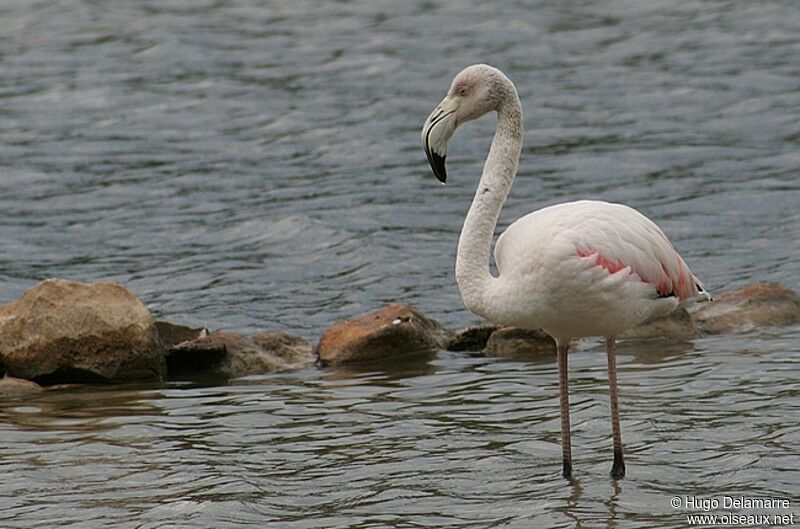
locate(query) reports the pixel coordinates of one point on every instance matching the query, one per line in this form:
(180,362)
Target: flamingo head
(475,91)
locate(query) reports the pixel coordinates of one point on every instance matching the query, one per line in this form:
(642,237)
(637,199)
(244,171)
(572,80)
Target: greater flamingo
(577,269)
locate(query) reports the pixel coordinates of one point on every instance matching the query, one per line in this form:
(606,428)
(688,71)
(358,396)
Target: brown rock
(678,325)
(65,331)
(472,338)
(17,387)
(231,355)
(513,342)
(395,330)
(757,305)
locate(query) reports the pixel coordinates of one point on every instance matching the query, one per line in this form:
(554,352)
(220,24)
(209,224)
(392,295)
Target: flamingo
(577,269)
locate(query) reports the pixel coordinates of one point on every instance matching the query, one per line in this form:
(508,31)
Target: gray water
(255,165)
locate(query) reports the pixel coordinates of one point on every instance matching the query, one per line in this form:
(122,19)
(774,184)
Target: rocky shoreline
(66,332)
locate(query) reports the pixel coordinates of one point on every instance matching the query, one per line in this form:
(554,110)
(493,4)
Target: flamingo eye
(462,91)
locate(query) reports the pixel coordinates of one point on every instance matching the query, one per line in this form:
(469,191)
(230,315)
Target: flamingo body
(588,268)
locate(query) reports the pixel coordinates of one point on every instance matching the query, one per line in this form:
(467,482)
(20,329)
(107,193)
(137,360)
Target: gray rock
(757,305)
(472,338)
(65,331)
(172,334)
(293,350)
(393,331)
(513,342)
(11,387)
(678,325)
(231,355)
(202,354)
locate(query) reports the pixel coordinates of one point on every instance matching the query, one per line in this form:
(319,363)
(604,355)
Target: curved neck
(473,275)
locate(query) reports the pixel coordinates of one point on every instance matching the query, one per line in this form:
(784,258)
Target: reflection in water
(611,522)
(655,351)
(575,509)
(572,505)
(79,408)
(390,369)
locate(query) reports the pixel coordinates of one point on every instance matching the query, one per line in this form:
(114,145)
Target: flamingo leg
(563,390)
(618,468)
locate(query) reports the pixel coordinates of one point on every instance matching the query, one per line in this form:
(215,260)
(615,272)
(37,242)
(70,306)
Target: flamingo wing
(614,237)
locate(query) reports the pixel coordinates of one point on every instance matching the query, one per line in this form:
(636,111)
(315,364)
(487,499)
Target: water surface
(256,165)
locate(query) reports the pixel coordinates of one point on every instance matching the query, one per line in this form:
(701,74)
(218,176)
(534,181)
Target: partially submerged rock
(172,334)
(502,342)
(513,342)
(66,331)
(472,338)
(395,330)
(204,353)
(757,305)
(293,350)
(17,387)
(231,355)
(677,325)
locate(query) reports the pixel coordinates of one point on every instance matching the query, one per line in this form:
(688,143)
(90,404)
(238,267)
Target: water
(251,165)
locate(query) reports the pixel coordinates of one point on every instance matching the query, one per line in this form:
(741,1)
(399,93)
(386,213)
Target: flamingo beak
(437,131)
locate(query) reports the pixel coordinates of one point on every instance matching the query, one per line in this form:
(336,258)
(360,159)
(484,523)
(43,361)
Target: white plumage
(564,266)
(585,268)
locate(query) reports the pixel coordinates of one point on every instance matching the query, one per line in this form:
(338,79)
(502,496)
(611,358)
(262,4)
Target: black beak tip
(438,166)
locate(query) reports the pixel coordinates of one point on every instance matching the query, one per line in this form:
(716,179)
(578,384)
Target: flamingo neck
(473,275)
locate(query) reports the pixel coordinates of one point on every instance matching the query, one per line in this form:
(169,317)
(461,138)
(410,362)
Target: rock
(244,357)
(678,325)
(472,338)
(393,331)
(17,387)
(65,331)
(231,355)
(172,334)
(204,353)
(513,342)
(295,351)
(757,305)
